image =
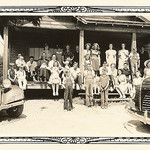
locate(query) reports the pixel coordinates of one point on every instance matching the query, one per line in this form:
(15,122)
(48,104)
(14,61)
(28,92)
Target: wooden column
(5,55)
(133,44)
(81,51)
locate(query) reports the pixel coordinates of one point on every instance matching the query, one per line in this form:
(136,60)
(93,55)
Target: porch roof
(116,20)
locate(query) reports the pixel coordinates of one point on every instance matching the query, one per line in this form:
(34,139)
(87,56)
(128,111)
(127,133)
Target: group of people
(62,68)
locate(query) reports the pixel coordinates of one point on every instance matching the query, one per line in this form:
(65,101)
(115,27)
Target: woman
(95,57)
(87,49)
(147,68)
(122,85)
(43,64)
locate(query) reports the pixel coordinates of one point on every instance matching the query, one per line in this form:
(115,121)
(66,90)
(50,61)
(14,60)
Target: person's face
(113,66)
(54,57)
(104,72)
(87,47)
(43,55)
(148,65)
(68,48)
(21,69)
(137,74)
(77,49)
(104,65)
(110,46)
(75,66)
(123,46)
(46,47)
(68,74)
(31,59)
(125,66)
(67,63)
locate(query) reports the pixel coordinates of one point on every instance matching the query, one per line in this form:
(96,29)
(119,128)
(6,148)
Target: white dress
(54,78)
(110,57)
(123,57)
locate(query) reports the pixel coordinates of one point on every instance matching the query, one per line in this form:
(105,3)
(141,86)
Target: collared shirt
(74,72)
(32,65)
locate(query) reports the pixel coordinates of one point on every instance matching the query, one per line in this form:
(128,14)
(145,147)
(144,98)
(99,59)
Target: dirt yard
(47,118)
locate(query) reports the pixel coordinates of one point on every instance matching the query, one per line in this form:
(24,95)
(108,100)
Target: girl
(12,74)
(21,75)
(54,78)
(87,61)
(122,86)
(95,57)
(88,49)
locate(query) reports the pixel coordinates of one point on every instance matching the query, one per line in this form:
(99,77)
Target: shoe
(102,107)
(54,94)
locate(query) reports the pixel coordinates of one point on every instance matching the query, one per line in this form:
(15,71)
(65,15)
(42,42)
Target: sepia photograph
(74,79)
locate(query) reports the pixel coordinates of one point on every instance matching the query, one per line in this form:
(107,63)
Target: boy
(68,84)
(21,75)
(89,79)
(104,86)
(12,74)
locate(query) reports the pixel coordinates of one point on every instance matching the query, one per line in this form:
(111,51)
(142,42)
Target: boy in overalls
(89,79)
(104,86)
(68,84)
(12,74)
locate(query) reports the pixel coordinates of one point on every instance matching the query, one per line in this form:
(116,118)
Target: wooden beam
(81,50)
(5,55)
(133,43)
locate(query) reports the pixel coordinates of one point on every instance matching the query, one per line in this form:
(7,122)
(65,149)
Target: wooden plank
(133,43)
(5,55)
(81,48)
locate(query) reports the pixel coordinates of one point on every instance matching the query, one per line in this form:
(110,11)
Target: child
(12,74)
(134,60)
(87,61)
(68,84)
(54,78)
(104,86)
(89,79)
(21,75)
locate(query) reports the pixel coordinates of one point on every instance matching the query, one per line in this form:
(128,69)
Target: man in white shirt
(76,74)
(32,67)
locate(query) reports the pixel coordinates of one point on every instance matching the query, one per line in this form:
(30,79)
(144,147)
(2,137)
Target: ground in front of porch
(47,118)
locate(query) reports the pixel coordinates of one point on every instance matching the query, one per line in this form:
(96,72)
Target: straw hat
(146,62)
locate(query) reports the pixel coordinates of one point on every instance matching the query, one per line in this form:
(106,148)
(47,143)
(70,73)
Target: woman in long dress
(110,55)
(95,57)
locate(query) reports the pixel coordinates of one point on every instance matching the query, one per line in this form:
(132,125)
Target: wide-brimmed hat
(146,62)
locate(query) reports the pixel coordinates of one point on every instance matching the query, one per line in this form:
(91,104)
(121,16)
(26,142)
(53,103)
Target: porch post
(81,51)
(133,44)
(5,55)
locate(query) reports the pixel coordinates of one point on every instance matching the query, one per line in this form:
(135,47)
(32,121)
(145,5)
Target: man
(75,72)
(32,67)
(68,54)
(47,52)
(76,55)
(127,72)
